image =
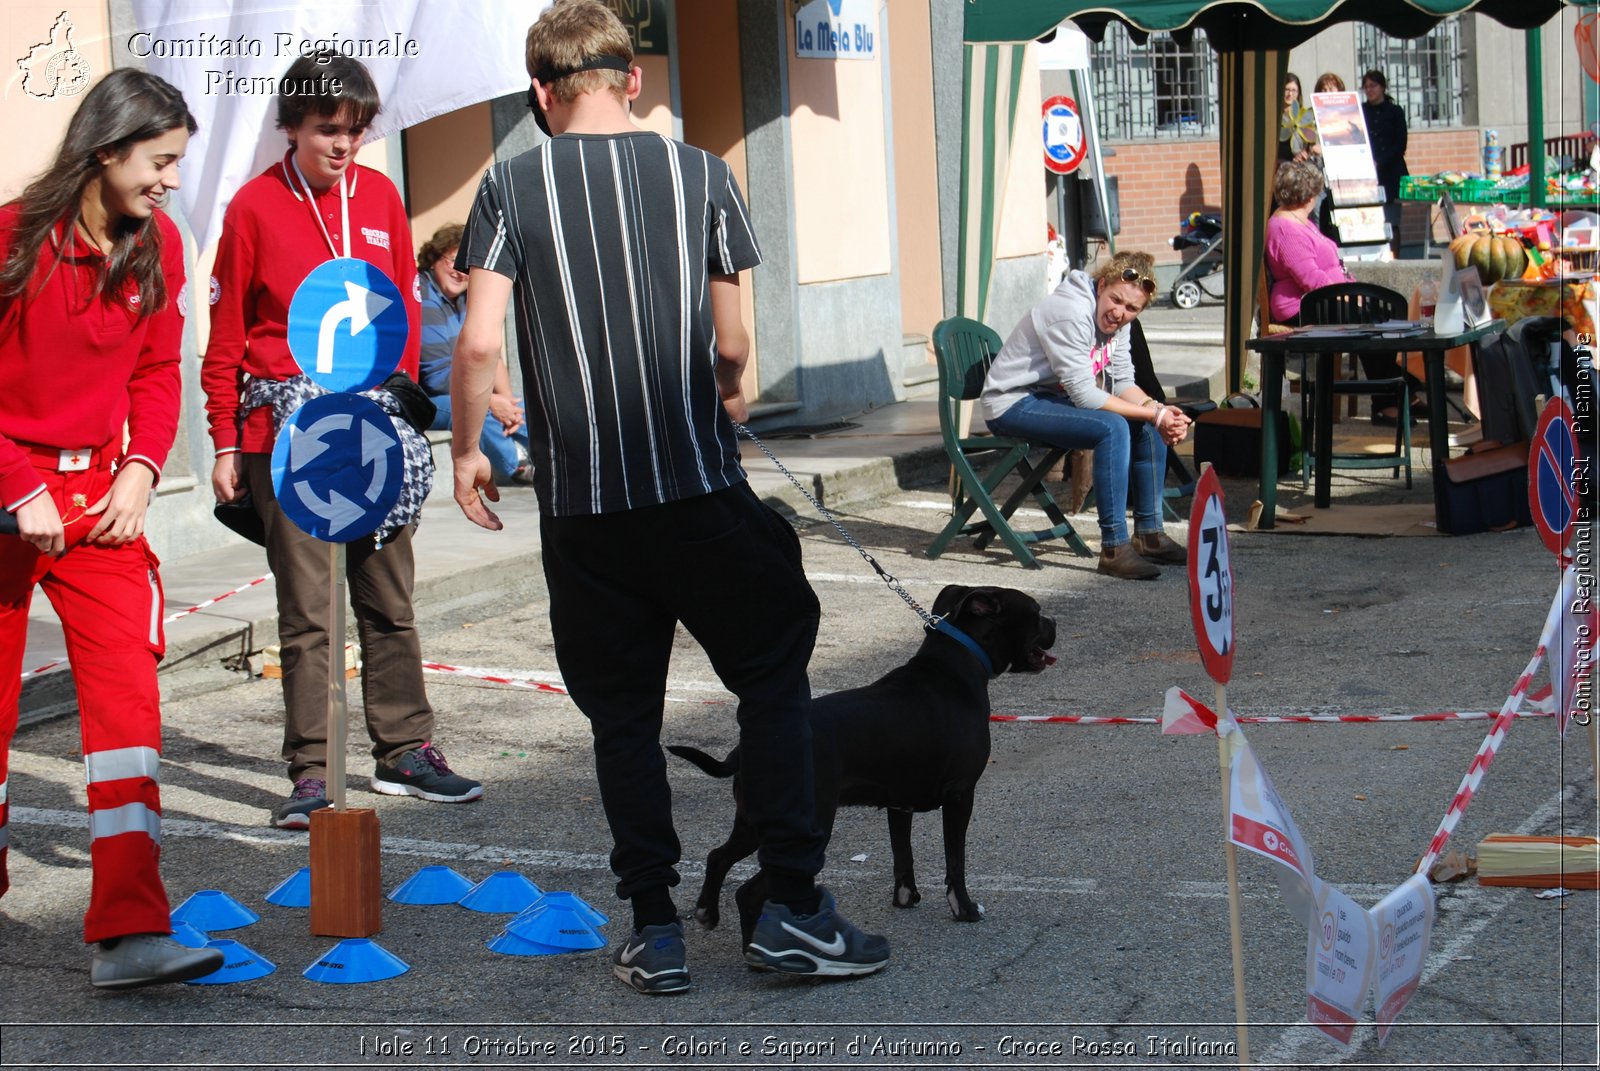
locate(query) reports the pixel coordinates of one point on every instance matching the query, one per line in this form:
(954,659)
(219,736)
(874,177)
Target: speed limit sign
(1211,578)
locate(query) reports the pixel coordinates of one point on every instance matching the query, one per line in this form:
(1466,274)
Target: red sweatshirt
(270,243)
(74,368)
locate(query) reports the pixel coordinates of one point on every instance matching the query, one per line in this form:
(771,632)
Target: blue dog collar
(941,625)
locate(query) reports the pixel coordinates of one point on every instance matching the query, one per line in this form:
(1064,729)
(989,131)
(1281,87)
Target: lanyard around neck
(344,209)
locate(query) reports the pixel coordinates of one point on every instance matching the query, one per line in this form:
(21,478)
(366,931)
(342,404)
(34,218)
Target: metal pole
(338,708)
(1535,63)
(1083,93)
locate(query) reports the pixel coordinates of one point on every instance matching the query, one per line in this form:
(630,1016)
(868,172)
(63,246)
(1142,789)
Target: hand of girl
(39,523)
(122,508)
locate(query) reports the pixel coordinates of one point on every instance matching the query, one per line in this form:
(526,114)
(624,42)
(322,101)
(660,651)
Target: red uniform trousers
(110,605)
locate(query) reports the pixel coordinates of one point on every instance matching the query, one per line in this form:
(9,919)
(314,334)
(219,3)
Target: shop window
(1161,89)
(1424,73)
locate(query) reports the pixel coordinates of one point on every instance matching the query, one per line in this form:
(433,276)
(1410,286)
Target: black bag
(415,404)
(8,523)
(1231,440)
(1485,491)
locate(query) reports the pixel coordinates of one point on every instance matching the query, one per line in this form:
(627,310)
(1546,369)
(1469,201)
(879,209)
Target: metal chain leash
(888,578)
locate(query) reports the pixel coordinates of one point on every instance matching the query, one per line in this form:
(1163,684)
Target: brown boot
(1158,547)
(1123,561)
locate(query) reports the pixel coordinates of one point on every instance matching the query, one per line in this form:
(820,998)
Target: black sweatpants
(727,567)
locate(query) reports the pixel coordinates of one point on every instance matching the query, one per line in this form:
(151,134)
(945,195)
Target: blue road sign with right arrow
(338,467)
(348,326)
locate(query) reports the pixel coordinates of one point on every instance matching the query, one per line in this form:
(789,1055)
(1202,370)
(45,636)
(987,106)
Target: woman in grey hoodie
(1064,377)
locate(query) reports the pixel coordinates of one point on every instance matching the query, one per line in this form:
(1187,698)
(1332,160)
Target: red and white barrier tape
(495,677)
(511,679)
(169,619)
(1273,719)
(1486,751)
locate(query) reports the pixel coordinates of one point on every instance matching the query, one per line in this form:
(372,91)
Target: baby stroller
(1203,276)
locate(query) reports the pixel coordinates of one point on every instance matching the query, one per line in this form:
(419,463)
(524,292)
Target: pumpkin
(1495,256)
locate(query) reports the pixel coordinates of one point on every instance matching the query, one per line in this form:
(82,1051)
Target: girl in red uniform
(91,316)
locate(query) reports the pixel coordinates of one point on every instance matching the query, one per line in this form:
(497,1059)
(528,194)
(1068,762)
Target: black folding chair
(964,350)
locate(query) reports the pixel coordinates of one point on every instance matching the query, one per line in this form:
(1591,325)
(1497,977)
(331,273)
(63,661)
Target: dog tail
(716,768)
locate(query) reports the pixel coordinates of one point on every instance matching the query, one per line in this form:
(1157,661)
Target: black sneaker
(423,772)
(653,960)
(310,794)
(823,943)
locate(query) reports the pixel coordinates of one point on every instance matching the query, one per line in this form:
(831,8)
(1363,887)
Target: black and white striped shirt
(611,240)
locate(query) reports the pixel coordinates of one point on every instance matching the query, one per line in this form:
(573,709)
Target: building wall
(1158,184)
(916,179)
(31,126)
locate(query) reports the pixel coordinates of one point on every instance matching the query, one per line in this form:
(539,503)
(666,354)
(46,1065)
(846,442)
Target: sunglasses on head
(1147,284)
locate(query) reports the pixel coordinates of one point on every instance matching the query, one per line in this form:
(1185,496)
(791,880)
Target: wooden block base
(346,878)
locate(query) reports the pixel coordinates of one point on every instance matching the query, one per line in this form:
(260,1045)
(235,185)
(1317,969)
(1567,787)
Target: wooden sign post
(1211,611)
(346,868)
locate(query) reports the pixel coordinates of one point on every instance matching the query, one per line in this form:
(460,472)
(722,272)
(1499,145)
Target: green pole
(1535,64)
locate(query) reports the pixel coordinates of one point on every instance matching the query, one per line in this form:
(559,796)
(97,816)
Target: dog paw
(970,911)
(707,917)
(906,896)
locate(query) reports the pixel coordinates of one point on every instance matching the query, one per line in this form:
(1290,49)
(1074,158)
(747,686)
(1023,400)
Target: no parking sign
(1552,498)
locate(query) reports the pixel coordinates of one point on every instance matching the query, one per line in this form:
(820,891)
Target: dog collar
(941,625)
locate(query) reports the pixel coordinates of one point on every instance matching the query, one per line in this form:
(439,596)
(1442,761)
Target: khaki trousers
(380,585)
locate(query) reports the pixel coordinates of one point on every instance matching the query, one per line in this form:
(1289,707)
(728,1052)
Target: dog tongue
(1049,659)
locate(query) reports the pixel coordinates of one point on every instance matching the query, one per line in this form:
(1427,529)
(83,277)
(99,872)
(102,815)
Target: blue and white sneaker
(653,960)
(823,943)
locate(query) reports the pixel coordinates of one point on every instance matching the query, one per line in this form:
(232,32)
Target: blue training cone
(432,885)
(569,901)
(240,963)
(356,960)
(559,927)
(503,892)
(292,891)
(187,936)
(508,943)
(211,909)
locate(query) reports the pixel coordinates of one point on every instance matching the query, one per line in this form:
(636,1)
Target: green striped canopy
(1252,39)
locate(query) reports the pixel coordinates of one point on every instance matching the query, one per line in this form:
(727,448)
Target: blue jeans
(497,446)
(1127,456)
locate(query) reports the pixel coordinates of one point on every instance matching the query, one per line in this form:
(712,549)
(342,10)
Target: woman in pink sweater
(1299,257)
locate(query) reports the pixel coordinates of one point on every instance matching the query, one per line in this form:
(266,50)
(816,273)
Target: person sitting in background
(1300,259)
(444,308)
(1064,377)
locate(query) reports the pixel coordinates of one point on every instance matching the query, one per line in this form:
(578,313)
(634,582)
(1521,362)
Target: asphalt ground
(1096,849)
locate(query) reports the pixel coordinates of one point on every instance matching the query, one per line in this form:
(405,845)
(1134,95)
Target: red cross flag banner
(1339,962)
(1403,922)
(1259,820)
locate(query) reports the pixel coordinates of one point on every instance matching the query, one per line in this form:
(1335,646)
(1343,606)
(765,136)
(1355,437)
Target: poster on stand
(1352,175)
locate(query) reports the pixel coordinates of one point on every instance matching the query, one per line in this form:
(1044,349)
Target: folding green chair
(964,349)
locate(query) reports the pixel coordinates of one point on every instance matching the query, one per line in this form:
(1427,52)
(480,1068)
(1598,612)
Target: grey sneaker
(423,772)
(310,794)
(653,960)
(824,943)
(143,959)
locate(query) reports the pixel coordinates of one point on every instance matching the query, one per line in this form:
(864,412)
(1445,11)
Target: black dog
(915,740)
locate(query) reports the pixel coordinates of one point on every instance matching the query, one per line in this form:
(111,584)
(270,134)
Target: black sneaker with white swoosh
(822,943)
(653,960)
